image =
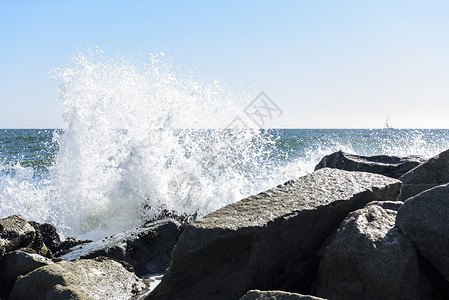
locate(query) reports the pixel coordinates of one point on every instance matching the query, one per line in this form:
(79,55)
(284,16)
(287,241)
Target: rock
(427,175)
(146,248)
(370,259)
(276,295)
(82,279)
(435,286)
(15,233)
(391,205)
(424,219)
(49,235)
(18,233)
(18,263)
(57,244)
(390,166)
(267,241)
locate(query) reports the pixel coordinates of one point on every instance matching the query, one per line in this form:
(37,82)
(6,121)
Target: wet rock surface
(47,235)
(391,166)
(267,241)
(146,248)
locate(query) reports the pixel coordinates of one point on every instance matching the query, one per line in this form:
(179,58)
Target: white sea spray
(142,138)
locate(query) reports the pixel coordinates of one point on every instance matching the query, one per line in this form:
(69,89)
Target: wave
(144,137)
(140,138)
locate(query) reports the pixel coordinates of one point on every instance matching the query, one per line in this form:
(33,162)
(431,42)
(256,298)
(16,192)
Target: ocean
(90,196)
(140,139)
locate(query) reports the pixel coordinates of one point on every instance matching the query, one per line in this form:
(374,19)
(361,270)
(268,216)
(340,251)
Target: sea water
(141,139)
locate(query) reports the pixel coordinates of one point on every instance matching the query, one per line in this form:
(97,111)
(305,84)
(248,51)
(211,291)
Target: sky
(326,64)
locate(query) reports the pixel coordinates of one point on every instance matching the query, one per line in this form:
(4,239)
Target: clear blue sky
(327,64)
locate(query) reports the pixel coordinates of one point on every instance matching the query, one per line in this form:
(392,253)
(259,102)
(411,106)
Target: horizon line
(270,128)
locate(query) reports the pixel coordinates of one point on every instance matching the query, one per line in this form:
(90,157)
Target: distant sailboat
(387,124)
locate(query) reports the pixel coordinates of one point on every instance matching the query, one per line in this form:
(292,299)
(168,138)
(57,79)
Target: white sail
(387,124)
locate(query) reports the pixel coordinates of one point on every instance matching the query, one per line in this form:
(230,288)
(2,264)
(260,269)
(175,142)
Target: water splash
(140,138)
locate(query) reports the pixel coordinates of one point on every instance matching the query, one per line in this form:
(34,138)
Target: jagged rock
(425,176)
(47,235)
(82,279)
(15,233)
(276,295)
(370,259)
(146,248)
(424,219)
(18,263)
(267,241)
(18,233)
(391,166)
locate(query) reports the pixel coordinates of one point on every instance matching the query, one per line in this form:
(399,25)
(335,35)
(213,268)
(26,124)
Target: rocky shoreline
(356,228)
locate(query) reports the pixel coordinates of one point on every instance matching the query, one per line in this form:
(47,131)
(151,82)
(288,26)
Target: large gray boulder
(146,248)
(18,263)
(276,295)
(424,219)
(369,259)
(432,173)
(391,166)
(267,241)
(83,279)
